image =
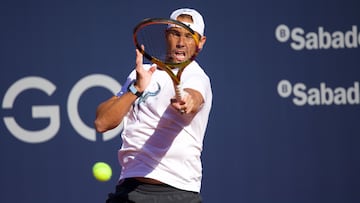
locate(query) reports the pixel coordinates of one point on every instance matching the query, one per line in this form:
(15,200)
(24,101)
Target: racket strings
(152,37)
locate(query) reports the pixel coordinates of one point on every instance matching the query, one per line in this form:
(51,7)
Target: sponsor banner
(285,79)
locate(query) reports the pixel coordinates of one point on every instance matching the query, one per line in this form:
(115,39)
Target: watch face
(133,90)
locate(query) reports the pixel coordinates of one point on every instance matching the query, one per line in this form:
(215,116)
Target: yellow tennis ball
(102,171)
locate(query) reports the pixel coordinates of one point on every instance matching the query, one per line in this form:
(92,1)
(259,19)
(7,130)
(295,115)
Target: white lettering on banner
(73,101)
(53,112)
(322,95)
(322,39)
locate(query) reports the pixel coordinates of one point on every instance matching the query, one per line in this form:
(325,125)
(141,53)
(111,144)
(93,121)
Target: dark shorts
(134,191)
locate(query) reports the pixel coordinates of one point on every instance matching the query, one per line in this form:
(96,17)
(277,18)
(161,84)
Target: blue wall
(285,120)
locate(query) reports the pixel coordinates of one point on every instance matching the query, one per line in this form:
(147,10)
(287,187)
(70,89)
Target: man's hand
(189,103)
(143,76)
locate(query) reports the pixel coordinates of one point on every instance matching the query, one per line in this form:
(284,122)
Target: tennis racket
(170,44)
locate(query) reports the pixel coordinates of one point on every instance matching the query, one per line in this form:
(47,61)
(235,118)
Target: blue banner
(284,126)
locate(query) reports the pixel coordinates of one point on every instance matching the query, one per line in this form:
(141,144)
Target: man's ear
(202,42)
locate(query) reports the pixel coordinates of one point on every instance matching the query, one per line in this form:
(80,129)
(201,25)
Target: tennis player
(162,140)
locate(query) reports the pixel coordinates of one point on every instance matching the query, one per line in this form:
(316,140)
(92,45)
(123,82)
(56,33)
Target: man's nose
(181,41)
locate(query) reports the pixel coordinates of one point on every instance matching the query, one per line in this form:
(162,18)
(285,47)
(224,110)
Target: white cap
(198,24)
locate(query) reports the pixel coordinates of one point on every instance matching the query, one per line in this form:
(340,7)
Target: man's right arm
(111,112)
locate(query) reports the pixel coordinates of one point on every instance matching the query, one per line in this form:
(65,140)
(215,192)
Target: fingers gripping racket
(170,44)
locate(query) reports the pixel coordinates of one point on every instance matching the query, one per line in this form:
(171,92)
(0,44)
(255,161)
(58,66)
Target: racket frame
(168,66)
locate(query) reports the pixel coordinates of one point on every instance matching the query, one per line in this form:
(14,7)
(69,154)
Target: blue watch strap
(132,89)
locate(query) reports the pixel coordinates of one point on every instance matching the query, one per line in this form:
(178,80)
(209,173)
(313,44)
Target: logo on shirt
(148,94)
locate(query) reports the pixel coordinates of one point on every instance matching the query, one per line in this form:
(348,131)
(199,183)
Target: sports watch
(132,89)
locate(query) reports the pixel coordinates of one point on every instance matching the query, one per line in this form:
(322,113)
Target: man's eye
(173,32)
(188,35)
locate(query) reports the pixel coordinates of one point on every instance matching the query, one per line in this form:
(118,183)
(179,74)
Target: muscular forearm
(110,113)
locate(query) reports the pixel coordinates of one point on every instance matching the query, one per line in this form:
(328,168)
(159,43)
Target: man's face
(181,44)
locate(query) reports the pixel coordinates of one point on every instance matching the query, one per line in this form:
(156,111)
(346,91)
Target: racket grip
(179,92)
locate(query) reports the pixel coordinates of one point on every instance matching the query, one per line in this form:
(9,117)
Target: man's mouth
(179,56)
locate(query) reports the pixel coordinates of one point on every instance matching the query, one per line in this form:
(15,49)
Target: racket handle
(179,92)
